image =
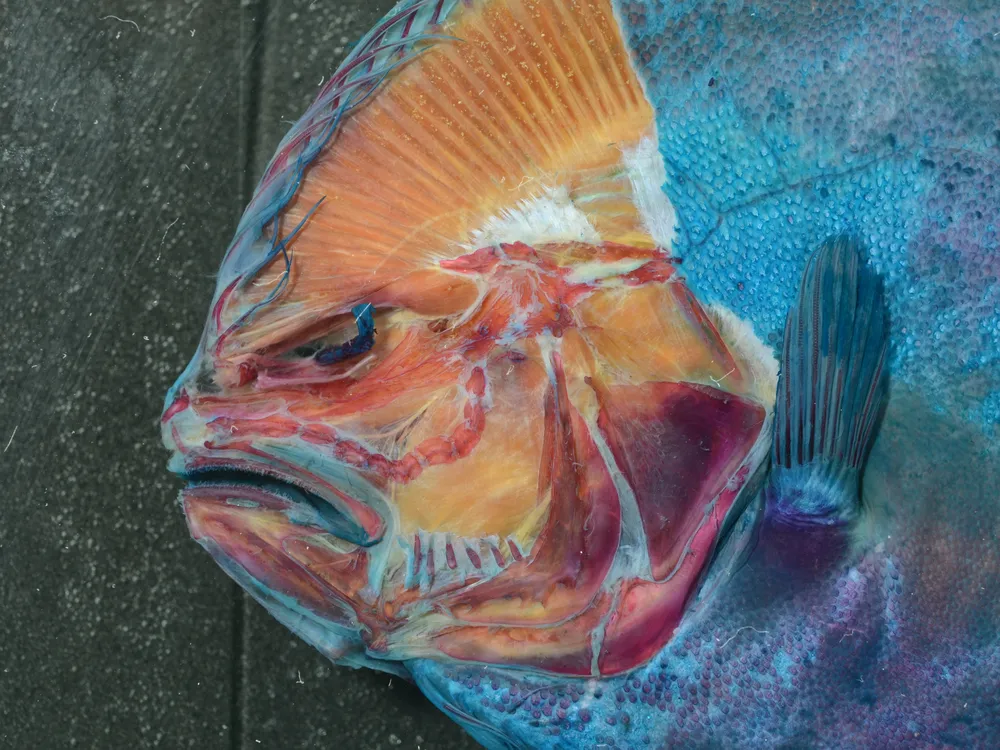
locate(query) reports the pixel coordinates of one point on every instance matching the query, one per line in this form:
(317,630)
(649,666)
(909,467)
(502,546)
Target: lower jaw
(269,535)
(234,473)
(318,586)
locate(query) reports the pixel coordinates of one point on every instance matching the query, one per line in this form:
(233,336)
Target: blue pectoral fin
(831,389)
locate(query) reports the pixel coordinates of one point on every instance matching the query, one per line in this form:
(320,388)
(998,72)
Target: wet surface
(131,134)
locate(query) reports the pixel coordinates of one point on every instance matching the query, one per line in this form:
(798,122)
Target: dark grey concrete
(119,186)
(125,126)
(296,700)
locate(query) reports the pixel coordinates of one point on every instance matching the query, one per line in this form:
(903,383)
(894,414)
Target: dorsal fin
(494,114)
(831,388)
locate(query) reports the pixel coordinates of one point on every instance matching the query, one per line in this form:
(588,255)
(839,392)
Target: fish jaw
(352,600)
(213,452)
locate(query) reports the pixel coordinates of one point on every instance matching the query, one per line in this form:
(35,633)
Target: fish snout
(252,474)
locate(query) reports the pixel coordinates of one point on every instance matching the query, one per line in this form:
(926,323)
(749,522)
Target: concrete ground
(131,134)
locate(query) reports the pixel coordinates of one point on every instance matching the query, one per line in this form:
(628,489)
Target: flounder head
(454,399)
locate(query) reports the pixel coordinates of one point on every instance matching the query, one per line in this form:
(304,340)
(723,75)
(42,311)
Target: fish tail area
(831,388)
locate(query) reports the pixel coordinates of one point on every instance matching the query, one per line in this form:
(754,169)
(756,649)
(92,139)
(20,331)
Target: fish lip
(235,473)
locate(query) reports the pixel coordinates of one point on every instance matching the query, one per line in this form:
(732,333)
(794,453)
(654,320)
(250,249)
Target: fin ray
(462,122)
(832,386)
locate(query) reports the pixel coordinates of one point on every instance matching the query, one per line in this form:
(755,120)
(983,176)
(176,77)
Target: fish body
(494,394)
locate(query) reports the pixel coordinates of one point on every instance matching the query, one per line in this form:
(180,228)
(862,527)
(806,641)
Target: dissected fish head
(454,399)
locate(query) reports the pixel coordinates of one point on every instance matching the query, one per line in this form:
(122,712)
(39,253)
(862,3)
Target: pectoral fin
(831,388)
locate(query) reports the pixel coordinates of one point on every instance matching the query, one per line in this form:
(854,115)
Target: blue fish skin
(864,615)
(782,123)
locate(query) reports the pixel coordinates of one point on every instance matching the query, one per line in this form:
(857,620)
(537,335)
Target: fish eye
(331,348)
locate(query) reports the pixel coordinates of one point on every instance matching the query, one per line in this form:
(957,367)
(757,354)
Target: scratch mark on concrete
(164,239)
(122,20)
(11,438)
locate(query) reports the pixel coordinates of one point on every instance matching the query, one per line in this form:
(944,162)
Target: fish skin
(889,636)
(885,641)
(782,123)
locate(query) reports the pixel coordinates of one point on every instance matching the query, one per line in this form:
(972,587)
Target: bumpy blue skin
(817,641)
(783,123)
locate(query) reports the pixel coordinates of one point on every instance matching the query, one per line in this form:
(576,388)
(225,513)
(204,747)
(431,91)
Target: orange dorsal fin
(520,118)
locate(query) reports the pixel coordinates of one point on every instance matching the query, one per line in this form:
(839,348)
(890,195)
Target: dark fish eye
(332,347)
(308,350)
(364,318)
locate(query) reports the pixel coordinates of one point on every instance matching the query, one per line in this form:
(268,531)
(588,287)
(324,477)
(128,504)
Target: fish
(625,374)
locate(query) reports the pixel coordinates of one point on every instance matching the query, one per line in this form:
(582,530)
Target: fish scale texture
(782,123)
(896,647)
(719,685)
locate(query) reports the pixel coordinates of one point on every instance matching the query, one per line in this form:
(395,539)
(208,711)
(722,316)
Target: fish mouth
(306,559)
(242,484)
